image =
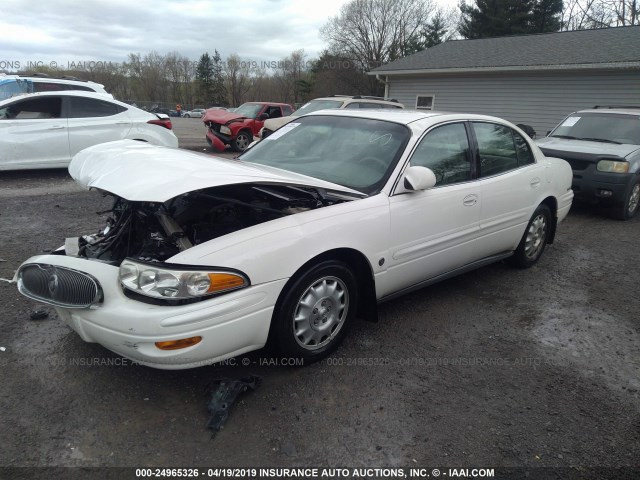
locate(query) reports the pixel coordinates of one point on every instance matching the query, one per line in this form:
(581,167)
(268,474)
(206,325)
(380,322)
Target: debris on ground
(39,314)
(225,393)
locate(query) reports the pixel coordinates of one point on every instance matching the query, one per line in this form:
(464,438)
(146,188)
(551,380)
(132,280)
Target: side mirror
(417,178)
(263,116)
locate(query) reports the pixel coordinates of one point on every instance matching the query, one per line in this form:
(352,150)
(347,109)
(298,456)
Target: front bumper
(590,185)
(230,324)
(216,140)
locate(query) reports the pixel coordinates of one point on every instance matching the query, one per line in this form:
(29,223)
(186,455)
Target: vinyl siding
(541,100)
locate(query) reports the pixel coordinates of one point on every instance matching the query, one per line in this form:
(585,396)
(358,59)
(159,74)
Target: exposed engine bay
(152,231)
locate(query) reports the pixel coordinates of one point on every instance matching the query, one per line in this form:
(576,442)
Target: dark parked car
(602,145)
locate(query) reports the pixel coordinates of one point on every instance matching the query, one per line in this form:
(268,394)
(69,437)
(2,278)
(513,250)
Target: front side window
(80,107)
(41,108)
(445,150)
(357,153)
(496,147)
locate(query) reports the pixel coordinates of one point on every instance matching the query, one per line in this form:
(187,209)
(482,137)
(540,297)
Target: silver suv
(11,85)
(330,102)
(602,145)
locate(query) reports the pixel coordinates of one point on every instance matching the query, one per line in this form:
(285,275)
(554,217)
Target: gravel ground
(496,368)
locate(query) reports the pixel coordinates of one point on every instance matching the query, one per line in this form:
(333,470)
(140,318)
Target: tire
(315,311)
(241,141)
(629,208)
(534,239)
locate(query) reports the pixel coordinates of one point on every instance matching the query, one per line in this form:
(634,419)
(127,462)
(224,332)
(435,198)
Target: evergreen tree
(218,91)
(546,16)
(496,18)
(204,76)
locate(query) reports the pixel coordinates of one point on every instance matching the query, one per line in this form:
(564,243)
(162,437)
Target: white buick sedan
(45,130)
(204,258)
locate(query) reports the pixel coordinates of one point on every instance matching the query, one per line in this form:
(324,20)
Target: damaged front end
(155,231)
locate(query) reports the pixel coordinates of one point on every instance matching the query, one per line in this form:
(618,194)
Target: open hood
(137,171)
(221,116)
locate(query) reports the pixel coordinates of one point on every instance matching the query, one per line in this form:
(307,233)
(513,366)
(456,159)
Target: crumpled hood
(221,116)
(138,171)
(585,146)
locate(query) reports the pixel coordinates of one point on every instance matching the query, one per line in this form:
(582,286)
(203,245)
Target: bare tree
(237,78)
(373,32)
(587,14)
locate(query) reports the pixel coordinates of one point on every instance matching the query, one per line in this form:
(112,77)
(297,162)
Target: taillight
(163,122)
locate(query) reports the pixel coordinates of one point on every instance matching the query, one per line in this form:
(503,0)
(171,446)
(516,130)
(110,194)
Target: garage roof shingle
(620,45)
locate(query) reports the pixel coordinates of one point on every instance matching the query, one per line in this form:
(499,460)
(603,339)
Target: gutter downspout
(386,85)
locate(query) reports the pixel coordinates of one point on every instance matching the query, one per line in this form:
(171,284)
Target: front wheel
(315,311)
(241,142)
(534,239)
(629,208)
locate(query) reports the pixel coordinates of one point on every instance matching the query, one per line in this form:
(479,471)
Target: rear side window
(56,87)
(80,107)
(445,150)
(33,109)
(497,148)
(287,110)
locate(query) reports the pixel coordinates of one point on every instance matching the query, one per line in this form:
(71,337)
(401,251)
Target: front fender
(277,249)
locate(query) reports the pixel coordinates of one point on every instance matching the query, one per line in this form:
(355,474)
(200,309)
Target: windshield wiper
(569,137)
(603,140)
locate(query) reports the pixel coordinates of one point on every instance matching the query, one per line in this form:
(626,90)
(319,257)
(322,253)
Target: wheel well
(367,304)
(552,203)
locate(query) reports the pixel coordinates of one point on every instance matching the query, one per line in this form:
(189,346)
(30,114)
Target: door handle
(56,127)
(122,122)
(470,200)
(535,183)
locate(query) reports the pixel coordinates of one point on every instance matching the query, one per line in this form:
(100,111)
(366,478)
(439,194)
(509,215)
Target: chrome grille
(59,286)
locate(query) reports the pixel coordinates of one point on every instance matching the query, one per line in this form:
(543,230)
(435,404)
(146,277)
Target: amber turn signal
(219,282)
(178,344)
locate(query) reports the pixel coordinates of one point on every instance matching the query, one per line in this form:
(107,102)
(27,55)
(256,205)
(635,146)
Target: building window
(424,102)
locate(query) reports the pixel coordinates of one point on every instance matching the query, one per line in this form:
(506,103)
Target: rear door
(510,183)
(93,121)
(33,134)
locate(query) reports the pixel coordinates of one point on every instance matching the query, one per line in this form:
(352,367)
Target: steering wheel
(369,160)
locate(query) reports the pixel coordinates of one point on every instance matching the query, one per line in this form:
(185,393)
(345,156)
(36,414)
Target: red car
(239,127)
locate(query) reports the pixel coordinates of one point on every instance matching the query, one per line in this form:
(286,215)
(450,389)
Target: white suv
(330,102)
(11,85)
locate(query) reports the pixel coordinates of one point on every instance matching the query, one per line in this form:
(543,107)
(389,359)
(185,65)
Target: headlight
(612,166)
(177,282)
(226,130)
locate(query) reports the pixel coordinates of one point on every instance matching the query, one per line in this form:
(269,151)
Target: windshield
(353,152)
(602,127)
(249,110)
(12,87)
(314,105)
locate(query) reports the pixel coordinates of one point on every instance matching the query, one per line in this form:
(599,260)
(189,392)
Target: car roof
(357,99)
(39,78)
(65,93)
(616,110)
(399,115)
(268,103)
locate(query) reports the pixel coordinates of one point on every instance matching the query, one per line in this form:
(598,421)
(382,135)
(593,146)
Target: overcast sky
(63,31)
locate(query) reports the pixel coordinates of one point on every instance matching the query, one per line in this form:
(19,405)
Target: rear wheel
(242,141)
(534,239)
(629,208)
(315,311)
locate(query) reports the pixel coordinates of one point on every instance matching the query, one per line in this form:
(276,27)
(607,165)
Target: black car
(602,145)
